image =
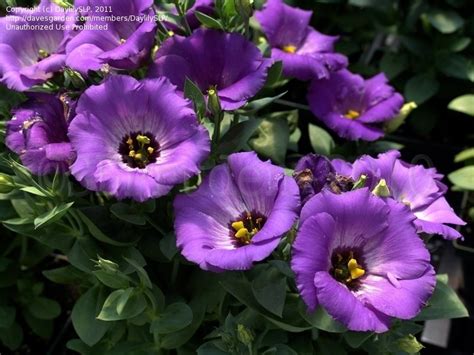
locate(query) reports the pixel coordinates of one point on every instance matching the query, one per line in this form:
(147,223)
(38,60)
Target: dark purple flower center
(347,267)
(244,228)
(139,149)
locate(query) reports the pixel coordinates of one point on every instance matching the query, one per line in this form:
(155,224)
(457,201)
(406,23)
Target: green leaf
(421,87)
(274,73)
(112,280)
(464,177)
(168,245)
(269,289)
(142,274)
(320,319)
(393,64)
(41,327)
(464,155)
(464,104)
(272,140)
(210,349)
(135,303)
(44,308)
(208,21)
(444,304)
(192,92)
(98,234)
(12,337)
(238,136)
(321,141)
(66,275)
(256,105)
(356,339)
(445,21)
(175,317)
(455,66)
(128,214)
(34,191)
(84,313)
(52,216)
(7,316)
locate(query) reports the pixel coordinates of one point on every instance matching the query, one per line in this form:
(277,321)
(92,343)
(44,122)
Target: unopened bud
(106,265)
(244,7)
(244,335)
(7,184)
(213,102)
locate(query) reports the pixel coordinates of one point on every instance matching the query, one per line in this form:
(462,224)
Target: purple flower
(353,107)
(30,53)
(361,259)
(238,214)
(306,53)
(214,59)
(412,185)
(135,139)
(38,134)
(121,44)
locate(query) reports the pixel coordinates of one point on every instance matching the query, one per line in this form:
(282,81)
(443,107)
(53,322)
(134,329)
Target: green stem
(174,271)
(184,21)
(292,104)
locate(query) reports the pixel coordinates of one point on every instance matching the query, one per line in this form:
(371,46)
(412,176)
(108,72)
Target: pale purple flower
(124,43)
(214,60)
(361,259)
(353,107)
(31,53)
(37,132)
(415,186)
(306,53)
(135,139)
(238,214)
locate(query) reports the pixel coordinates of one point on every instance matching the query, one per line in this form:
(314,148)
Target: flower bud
(244,335)
(7,184)
(213,103)
(106,265)
(360,183)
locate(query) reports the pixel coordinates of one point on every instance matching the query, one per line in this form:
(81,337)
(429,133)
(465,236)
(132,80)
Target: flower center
(346,269)
(246,226)
(289,48)
(139,149)
(339,183)
(352,114)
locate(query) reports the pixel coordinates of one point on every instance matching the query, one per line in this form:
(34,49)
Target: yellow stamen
(129,141)
(131,154)
(138,156)
(352,115)
(122,40)
(289,48)
(242,233)
(43,54)
(170,33)
(238,225)
(150,150)
(143,139)
(355,269)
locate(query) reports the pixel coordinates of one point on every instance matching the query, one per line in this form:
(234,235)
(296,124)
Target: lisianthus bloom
(214,60)
(415,186)
(135,139)
(361,259)
(37,132)
(31,56)
(121,44)
(305,52)
(353,107)
(238,214)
